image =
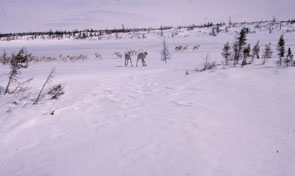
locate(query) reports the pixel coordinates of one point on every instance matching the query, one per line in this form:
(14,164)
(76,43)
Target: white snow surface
(150,121)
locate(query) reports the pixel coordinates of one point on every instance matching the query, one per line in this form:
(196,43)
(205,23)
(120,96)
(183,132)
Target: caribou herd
(185,48)
(141,56)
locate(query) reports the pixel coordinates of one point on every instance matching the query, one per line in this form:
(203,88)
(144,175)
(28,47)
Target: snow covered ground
(155,120)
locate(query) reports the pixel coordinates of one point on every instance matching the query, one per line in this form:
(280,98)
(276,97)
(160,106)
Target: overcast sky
(43,15)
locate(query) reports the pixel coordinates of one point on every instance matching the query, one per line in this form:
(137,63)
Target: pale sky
(43,15)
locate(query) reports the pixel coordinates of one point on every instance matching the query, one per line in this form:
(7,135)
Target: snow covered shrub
(246,54)
(244,62)
(267,51)
(247,51)
(56,91)
(226,29)
(48,79)
(226,52)
(267,54)
(165,52)
(4,59)
(17,62)
(255,51)
(212,33)
(207,65)
(21,87)
(236,53)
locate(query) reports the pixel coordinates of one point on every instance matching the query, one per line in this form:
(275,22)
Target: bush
(56,91)
(207,65)
(17,62)
(165,52)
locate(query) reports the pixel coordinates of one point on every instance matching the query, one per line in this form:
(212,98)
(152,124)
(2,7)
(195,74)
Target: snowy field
(150,121)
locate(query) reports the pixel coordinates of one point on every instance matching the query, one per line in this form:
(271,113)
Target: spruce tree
(226,52)
(241,42)
(289,57)
(242,38)
(17,62)
(267,51)
(267,54)
(281,49)
(165,52)
(237,53)
(247,51)
(5,58)
(244,62)
(255,51)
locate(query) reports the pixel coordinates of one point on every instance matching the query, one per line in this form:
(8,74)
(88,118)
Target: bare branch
(49,79)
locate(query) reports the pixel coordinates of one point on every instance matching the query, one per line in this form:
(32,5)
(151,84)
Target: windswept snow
(150,121)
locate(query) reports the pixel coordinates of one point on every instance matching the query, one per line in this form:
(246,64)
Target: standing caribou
(128,58)
(142,56)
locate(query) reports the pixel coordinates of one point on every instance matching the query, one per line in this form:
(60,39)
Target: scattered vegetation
(226,52)
(240,48)
(238,53)
(255,52)
(18,88)
(281,49)
(96,34)
(17,62)
(56,91)
(165,52)
(207,65)
(289,58)
(267,54)
(48,79)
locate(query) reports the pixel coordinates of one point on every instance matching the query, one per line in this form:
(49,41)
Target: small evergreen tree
(165,52)
(244,62)
(281,49)
(213,33)
(241,42)
(218,29)
(247,51)
(5,59)
(270,28)
(289,57)
(267,51)
(237,53)
(17,62)
(255,51)
(226,52)
(267,54)
(242,38)
(226,29)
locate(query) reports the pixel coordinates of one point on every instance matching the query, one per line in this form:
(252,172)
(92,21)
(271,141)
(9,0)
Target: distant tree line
(89,33)
(94,33)
(241,51)
(97,34)
(75,34)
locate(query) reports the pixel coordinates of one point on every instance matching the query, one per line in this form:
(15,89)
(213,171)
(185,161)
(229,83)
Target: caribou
(128,58)
(141,56)
(118,54)
(97,56)
(178,48)
(196,47)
